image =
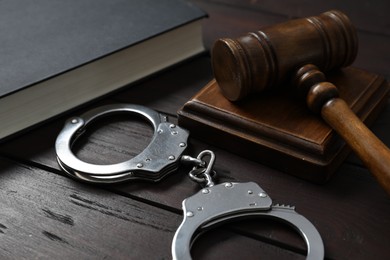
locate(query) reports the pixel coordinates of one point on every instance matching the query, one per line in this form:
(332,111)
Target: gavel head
(265,59)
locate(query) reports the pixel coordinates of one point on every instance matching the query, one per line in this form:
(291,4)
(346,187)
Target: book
(56,55)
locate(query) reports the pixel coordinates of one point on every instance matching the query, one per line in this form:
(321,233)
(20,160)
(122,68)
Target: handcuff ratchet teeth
(214,204)
(160,158)
(231,201)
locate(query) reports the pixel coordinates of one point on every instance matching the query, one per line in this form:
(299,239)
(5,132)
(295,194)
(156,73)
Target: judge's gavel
(300,51)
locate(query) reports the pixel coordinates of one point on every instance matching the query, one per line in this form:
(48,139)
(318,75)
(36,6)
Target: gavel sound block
(275,126)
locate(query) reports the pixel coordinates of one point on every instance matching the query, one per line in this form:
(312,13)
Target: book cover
(55,55)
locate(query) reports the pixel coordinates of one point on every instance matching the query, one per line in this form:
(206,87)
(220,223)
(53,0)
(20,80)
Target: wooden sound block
(278,130)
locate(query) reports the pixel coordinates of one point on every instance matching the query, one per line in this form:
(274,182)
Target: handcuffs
(213,205)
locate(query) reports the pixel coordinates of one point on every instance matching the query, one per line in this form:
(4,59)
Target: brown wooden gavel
(300,51)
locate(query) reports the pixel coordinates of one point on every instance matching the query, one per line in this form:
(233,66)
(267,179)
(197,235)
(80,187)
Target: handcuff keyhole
(113,139)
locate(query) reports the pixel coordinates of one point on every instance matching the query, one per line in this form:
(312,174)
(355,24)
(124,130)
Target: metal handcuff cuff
(214,204)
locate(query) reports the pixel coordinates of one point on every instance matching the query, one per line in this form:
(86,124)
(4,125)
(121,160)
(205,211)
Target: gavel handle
(323,97)
(374,154)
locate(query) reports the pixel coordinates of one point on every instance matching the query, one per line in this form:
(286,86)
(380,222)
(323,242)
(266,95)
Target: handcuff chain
(202,171)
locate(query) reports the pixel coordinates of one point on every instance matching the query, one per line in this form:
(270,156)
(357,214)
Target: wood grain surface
(46,215)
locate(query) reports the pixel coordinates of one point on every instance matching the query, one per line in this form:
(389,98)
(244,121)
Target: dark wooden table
(44,214)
